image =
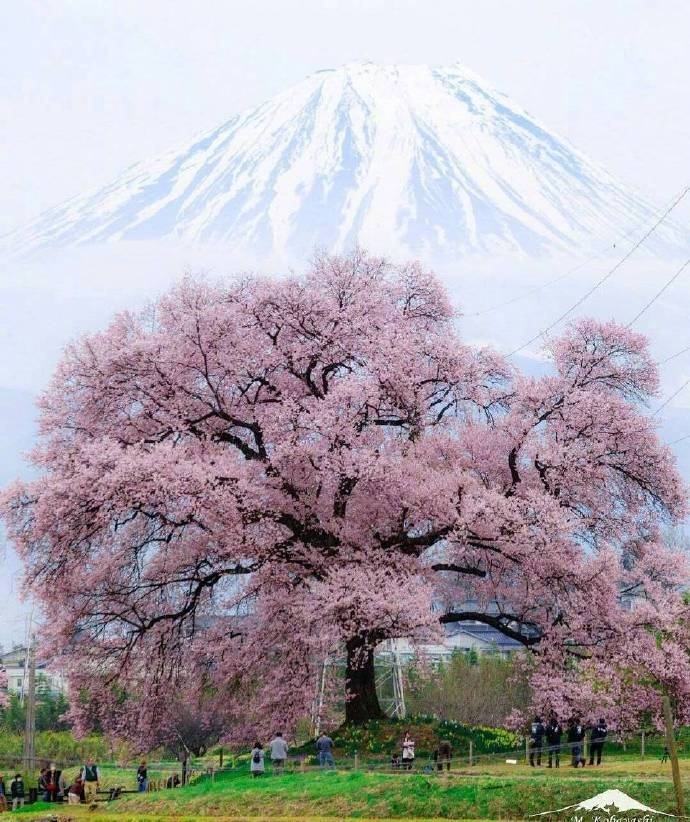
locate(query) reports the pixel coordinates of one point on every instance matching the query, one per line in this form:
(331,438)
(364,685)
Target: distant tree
(257,475)
(51,706)
(469,688)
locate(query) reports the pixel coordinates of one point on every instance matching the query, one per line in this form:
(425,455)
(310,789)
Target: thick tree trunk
(362,702)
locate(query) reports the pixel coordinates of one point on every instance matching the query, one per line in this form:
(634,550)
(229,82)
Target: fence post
(356,761)
(220,756)
(642,744)
(471,752)
(526,749)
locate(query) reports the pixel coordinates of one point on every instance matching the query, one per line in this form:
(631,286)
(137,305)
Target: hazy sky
(89,87)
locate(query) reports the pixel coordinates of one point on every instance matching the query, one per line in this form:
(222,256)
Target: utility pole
(317,709)
(30,710)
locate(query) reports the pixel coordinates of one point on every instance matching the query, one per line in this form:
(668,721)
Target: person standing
(536,741)
(3,798)
(324,750)
(444,753)
(553,732)
(576,735)
(55,784)
(279,751)
(256,765)
(17,792)
(142,777)
(43,785)
(90,776)
(596,741)
(407,752)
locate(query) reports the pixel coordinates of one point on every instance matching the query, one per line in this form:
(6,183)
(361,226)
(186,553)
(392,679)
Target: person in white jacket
(407,752)
(279,751)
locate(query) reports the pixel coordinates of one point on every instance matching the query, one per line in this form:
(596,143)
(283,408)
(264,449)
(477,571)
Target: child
(256,766)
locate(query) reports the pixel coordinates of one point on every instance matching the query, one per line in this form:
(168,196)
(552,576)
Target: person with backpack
(596,741)
(256,765)
(279,750)
(90,777)
(536,741)
(17,792)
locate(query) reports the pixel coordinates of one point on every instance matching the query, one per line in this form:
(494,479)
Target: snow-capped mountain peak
(411,160)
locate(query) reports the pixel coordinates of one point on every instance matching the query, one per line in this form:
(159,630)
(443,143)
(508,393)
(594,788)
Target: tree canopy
(255,475)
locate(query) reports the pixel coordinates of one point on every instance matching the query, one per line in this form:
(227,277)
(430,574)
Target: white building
(15,663)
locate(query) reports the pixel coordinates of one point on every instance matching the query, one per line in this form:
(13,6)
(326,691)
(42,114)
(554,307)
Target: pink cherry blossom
(256,476)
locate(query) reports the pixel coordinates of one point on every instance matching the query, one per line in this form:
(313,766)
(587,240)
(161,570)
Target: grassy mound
(381,738)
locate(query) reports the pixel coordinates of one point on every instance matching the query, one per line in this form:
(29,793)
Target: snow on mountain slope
(407,160)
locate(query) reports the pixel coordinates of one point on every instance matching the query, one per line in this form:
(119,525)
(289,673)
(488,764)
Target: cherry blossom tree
(258,475)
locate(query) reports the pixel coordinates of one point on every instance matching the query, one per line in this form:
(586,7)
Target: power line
(595,256)
(673,356)
(606,276)
(659,293)
(672,397)
(680,439)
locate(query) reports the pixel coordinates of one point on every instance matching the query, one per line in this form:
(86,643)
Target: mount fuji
(408,160)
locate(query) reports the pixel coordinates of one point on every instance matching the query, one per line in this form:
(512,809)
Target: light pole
(30,710)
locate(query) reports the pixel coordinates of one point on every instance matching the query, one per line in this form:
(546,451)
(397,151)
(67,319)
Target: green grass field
(483,792)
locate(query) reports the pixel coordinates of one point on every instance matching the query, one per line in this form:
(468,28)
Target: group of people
(442,755)
(52,787)
(277,751)
(551,733)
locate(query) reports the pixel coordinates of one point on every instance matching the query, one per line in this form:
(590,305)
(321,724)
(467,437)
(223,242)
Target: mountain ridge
(410,160)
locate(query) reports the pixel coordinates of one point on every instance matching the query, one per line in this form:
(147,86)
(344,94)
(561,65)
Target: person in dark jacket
(536,741)
(55,784)
(576,735)
(596,741)
(17,792)
(443,754)
(553,740)
(142,777)
(324,751)
(42,785)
